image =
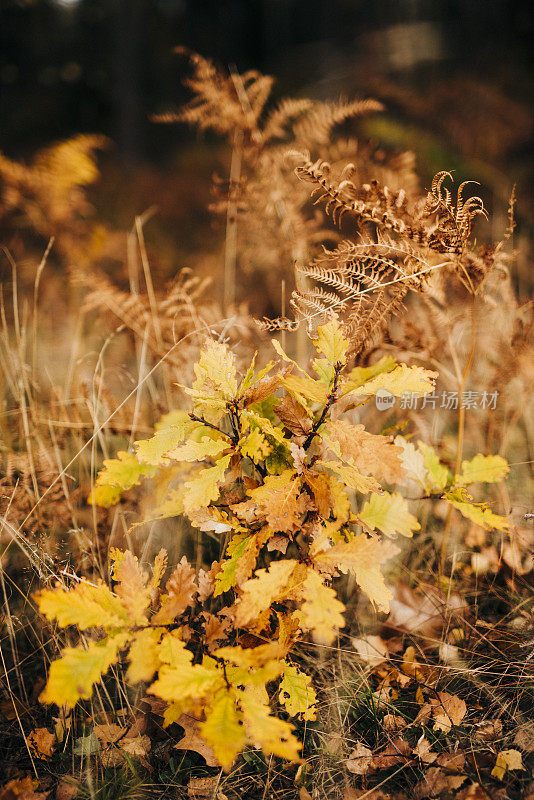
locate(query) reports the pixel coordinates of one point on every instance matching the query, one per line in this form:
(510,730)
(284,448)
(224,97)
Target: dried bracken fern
(397,243)
(276,226)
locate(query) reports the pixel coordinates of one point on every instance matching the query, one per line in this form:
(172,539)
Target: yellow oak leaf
(401,380)
(204,488)
(486,469)
(360,375)
(279,499)
(321,611)
(389,514)
(351,477)
(273,735)
(85,605)
(476,512)
(198,451)
(171,431)
(304,388)
(258,593)
(215,381)
(179,682)
(362,556)
(72,677)
(255,446)
(413,463)
(297,694)
(331,342)
(223,730)
(265,425)
(143,655)
(117,476)
(158,570)
(370,453)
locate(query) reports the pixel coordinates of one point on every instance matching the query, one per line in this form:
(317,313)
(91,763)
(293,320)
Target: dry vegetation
(432,699)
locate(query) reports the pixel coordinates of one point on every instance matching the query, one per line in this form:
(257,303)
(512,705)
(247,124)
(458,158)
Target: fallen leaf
(425,613)
(192,740)
(423,751)
(201,787)
(359,760)
(524,737)
(397,752)
(425,712)
(506,759)
(452,762)
(437,782)
(473,792)
(447,710)
(41,742)
(372,650)
(278,542)
(393,723)
(67,788)
(21,789)
(488,731)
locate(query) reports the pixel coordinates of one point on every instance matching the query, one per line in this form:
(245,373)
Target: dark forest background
(456,77)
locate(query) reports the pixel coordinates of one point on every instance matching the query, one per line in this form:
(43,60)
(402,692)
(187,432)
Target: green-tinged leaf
(171,430)
(237,550)
(198,451)
(401,380)
(215,381)
(297,694)
(351,477)
(255,446)
(265,425)
(223,730)
(73,676)
(118,475)
(436,473)
(484,469)
(85,605)
(476,512)
(324,370)
(360,375)
(331,342)
(389,514)
(204,488)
